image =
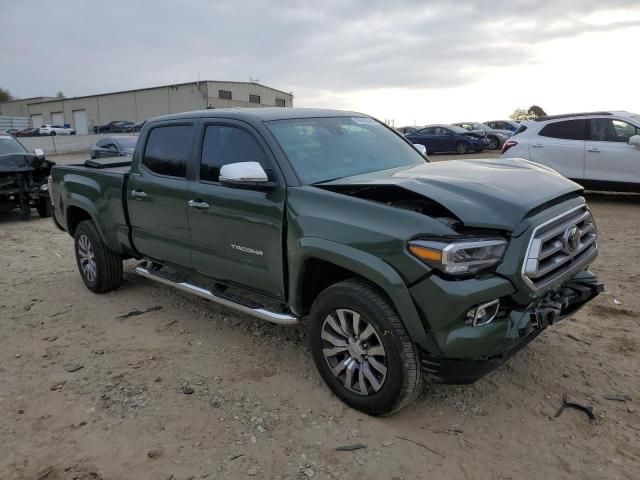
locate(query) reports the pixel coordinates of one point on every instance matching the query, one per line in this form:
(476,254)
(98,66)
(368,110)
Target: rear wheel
(362,350)
(99,266)
(53,133)
(462,147)
(494,143)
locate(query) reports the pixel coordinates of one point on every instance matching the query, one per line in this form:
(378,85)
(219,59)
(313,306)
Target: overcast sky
(411,61)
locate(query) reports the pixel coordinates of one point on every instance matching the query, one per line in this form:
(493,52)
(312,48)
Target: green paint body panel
(294,225)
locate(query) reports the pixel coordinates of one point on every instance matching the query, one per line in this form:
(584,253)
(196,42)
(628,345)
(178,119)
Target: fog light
(483,314)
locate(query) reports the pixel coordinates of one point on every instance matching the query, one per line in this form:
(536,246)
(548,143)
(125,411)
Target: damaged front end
(23,183)
(521,326)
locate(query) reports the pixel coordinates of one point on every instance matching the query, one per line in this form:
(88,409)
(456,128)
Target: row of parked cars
(119,126)
(463,137)
(48,130)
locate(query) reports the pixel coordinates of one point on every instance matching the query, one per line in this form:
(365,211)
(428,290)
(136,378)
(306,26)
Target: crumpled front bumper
(509,334)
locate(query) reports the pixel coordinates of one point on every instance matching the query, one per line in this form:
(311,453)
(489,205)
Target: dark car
(28,132)
(120,146)
(112,127)
(11,131)
(135,127)
(23,178)
(448,138)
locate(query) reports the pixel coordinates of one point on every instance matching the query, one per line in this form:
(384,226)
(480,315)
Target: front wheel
(494,143)
(44,207)
(462,148)
(99,266)
(53,134)
(362,350)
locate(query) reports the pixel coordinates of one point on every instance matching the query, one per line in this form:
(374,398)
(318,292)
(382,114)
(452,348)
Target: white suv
(56,130)
(599,150)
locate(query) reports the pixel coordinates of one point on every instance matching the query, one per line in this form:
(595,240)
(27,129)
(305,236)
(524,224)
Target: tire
(53,134)
(462,148)
(104,274)
(44,207)
(494,143)
(400,383)
(72,133)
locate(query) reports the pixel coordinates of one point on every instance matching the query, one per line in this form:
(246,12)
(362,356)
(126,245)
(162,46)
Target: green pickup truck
(404,270)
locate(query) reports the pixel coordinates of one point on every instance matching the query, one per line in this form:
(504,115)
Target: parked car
(28,132)
(11,131)
(448,138)
(400,267)
(407,130)
(121,145)
(509,125)
(113,127)
(23,178)
(135,127)
(496,137)
(54,130)
(599,150)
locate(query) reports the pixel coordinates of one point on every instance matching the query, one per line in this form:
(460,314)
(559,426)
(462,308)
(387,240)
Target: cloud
(318,49)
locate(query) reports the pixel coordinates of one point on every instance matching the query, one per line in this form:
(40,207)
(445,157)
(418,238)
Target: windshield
(323,149)
(127,142)
(10,145)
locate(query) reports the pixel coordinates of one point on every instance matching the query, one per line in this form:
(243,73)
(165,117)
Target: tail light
(507,145)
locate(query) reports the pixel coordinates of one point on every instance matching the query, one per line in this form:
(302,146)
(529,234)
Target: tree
(60,94)
(534,111)
(537,111)
(5,95)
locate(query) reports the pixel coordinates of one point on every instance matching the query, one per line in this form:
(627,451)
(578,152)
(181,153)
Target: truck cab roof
(260,114)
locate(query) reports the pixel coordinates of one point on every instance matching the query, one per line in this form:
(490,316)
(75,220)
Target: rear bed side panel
(98,193)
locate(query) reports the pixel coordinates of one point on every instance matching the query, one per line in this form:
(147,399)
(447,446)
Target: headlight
(461,257)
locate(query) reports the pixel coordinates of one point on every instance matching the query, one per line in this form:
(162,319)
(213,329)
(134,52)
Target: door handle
(198,204)
(594,150)
(138,194)
(537,145)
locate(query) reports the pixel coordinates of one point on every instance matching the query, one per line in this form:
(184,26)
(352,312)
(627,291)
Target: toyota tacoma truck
(405,271)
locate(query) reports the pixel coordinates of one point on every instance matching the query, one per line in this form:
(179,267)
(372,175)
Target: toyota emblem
(572,239)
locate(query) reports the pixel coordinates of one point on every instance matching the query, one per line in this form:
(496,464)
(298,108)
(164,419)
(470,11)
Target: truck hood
(492,193)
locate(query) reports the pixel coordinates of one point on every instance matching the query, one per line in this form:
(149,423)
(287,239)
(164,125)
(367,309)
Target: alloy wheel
(87,258)
(354,352)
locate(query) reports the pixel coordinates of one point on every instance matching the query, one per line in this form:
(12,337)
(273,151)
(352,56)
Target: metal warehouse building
(83,113)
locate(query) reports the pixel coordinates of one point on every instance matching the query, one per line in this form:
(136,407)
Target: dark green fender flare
(366,266)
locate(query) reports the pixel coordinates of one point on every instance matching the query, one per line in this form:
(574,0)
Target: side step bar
(261,313)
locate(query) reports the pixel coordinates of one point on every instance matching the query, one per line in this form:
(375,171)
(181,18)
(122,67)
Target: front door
(560,145)
(157,196)
(236,233)
(608,155)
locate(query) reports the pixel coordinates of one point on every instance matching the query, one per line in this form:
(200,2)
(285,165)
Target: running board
(261,313)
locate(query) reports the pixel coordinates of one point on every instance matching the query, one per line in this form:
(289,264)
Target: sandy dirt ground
(193,390)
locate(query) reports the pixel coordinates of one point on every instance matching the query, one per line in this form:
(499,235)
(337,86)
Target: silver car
(496,137)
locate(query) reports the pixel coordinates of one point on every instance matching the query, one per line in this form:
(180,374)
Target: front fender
(366,266)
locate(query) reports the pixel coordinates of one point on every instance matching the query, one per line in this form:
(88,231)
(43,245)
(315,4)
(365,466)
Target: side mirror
(39,153)
(245,175)
(635,141)
(421,148)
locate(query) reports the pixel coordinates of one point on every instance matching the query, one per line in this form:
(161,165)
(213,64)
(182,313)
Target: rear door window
(167,150)
(225,144)
(566,130)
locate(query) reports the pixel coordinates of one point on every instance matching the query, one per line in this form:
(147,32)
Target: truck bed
(98,190)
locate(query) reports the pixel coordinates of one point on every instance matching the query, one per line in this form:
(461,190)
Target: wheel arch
(319,263)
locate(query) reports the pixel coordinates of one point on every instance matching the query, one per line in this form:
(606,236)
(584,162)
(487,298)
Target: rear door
(157,194)
(608,155)
(560,145)
(236,233)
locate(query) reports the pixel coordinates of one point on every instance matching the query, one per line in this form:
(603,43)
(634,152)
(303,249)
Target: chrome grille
(560,246)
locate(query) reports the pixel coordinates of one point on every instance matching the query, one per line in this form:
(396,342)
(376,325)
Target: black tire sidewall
(385,399)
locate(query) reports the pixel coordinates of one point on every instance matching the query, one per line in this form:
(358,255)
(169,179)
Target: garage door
(36,121)
(80,122)
(57,118)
